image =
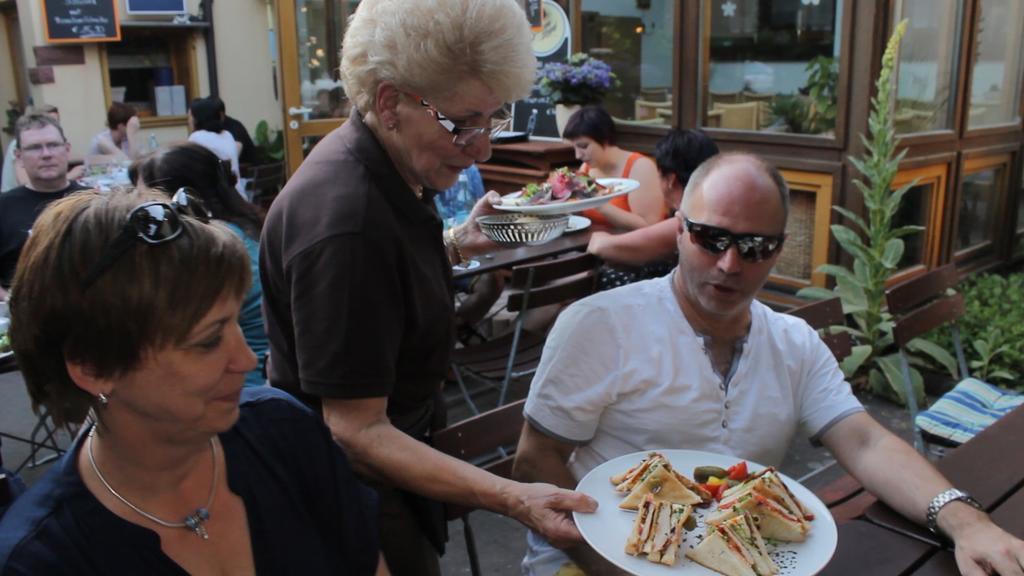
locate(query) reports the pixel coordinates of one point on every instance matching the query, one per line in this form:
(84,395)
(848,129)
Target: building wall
(245,79)
(8,86)
(245,65)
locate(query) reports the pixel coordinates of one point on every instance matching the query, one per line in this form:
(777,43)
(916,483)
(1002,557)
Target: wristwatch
(943,498)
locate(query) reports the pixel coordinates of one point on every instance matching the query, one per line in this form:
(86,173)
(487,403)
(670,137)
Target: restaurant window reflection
(996,72)
(927,68)
(321,25)
(983,185)
(635,39)
(922,205)
(771,65)
(913,212)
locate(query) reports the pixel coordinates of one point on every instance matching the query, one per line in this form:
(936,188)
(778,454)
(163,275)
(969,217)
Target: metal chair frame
(535,285)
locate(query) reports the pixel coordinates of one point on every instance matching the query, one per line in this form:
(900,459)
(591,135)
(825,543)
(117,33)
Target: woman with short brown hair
(127,305)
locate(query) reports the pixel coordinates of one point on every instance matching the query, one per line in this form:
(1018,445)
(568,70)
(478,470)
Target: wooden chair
(740,116)
(822,315)
(647,109)
(265,181)
(497,362)
(919,306)
(725,97)
(488,441)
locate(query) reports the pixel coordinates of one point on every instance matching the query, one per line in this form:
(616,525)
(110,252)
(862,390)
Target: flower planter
(562,114)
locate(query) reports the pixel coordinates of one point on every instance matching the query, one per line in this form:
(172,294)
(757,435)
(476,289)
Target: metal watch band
(943,498)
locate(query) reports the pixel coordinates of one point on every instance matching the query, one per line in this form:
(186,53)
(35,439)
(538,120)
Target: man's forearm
(888,467)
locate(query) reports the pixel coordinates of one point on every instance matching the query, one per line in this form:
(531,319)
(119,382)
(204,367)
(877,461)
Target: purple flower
(582,80)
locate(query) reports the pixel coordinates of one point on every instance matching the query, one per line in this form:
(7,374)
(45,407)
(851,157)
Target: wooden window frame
(642,135)
(972,14)
(959,85)
(821,185)
(182,42)
(835,141)
(971,165)
(936,175)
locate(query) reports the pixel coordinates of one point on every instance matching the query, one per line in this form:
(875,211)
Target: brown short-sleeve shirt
(357,289)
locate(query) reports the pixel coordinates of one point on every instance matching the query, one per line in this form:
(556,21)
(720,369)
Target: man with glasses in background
(692,361)
(42,150)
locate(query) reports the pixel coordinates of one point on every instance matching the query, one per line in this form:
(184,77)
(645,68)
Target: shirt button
(725,424)
(726,405)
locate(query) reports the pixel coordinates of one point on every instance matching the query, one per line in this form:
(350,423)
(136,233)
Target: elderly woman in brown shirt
(357,271)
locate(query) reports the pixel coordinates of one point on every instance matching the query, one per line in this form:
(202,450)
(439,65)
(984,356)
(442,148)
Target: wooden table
(881,541)
(509,257)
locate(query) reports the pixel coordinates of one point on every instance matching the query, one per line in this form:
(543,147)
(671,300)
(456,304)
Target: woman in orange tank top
(591,131)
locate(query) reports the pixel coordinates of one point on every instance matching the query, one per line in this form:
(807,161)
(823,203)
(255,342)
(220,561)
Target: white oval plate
(606,529)
(622,186)
(577,223)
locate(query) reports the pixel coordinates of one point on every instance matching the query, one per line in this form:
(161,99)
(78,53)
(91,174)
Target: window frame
(974,11)
(822,186)
(938,176)
(836,141)
(953,133)
(644,131)
(972,163)
(184,64)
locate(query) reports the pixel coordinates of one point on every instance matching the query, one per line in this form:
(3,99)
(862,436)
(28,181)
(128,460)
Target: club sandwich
(734,548)
(658,530)
(685,490)
(770,484)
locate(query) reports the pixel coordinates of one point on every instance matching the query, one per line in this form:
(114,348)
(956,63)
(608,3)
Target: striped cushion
(967,409)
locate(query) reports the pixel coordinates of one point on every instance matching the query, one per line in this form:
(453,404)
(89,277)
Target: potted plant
(580,81)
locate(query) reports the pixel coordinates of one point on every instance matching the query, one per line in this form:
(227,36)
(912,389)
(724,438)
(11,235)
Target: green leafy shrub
(992,328)
(270,143)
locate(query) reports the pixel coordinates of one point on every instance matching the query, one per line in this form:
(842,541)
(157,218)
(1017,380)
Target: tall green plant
(876,246)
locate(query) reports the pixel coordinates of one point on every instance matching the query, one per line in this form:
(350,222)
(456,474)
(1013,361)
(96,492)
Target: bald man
(693,361)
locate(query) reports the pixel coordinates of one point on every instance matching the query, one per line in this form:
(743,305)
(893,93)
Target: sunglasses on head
(151,223)
(751,247)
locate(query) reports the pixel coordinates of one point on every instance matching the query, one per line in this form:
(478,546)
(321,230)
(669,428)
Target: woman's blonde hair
(431,46)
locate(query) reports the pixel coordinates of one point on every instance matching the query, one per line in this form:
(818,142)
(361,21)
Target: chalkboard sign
(155,6)
(551,44)
(81,21)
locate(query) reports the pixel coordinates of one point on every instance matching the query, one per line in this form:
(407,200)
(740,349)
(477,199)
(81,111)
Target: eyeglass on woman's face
(751,247)
(464,135)
(151,223)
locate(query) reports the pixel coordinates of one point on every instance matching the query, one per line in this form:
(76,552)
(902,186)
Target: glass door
(314,98)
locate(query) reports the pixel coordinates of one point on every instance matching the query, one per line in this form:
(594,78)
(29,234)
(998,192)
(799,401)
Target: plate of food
(577,223)
(697,513)
(565,192)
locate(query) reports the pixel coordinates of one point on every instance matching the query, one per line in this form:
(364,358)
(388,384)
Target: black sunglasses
(751,247)
(151,223)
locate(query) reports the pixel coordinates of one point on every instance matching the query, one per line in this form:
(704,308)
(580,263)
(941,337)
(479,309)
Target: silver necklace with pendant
(194,522)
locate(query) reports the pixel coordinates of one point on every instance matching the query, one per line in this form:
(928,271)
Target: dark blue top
(307,512)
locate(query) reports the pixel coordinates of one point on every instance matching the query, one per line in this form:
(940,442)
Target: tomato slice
(738,471)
